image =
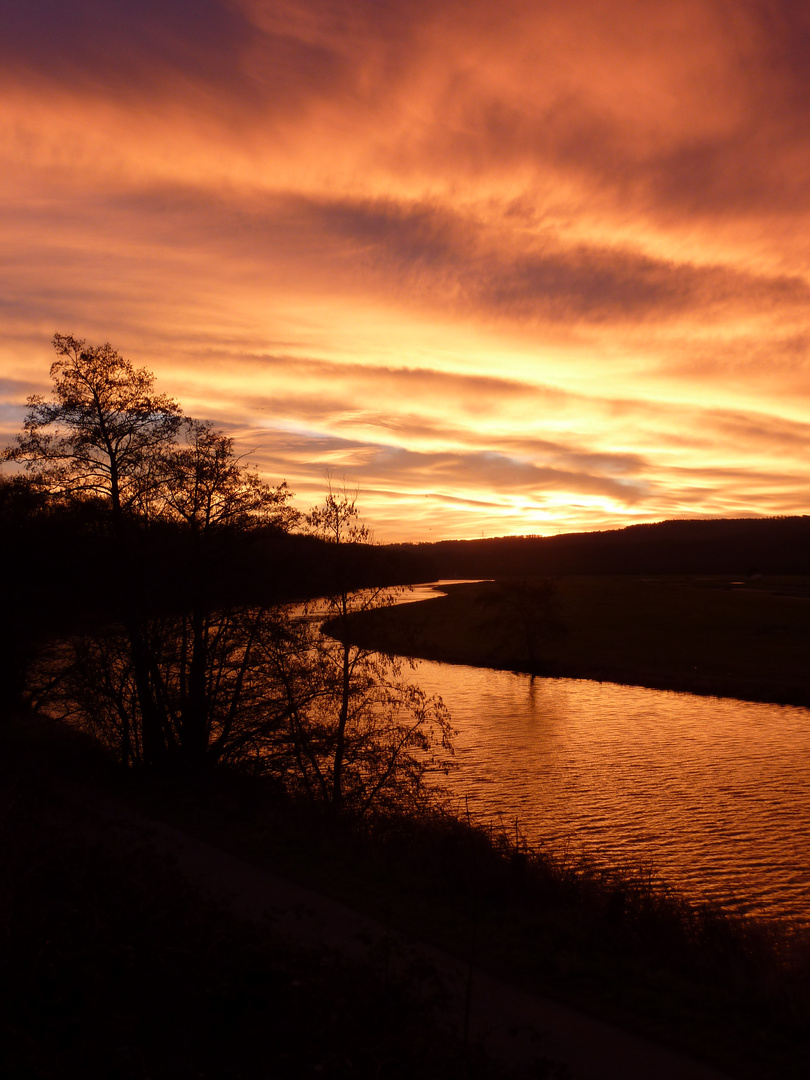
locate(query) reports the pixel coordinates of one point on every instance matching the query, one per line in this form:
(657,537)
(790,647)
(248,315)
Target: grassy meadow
(705,635)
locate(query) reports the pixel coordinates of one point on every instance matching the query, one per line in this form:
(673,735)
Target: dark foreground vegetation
(746,638)
(112,966)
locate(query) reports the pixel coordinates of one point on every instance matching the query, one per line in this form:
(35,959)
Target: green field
(747,639)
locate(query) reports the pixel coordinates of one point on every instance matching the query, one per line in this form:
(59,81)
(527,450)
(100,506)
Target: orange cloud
(514,268)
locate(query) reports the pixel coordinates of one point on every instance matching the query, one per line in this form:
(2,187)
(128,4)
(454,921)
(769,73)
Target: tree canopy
(181,667)
(103,433)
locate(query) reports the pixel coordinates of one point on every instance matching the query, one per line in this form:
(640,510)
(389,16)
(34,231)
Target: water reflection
(714,794)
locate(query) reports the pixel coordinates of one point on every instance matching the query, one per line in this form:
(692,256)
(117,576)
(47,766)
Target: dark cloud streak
(122,46)
(427,254)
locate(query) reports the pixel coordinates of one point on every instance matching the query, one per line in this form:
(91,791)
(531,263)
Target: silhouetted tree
(216,499)
(104,432)
(233,718)
(172,680)
(187,670)
(523,612)
(357,733)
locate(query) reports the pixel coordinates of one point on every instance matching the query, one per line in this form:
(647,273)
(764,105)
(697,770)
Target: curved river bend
(713,794)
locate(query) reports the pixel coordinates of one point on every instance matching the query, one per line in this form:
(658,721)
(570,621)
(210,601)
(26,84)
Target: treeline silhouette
(736,546)
(61,563)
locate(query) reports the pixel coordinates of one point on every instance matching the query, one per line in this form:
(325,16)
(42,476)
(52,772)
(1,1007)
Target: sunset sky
(519,267)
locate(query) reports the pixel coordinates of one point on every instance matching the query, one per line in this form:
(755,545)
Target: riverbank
(741,639)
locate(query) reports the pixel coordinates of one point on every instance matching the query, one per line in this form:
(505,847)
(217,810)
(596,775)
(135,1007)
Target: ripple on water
(713,793)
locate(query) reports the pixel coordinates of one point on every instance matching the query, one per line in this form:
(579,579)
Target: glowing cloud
(513,268)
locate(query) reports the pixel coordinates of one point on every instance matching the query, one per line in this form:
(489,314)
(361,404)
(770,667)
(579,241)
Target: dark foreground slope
(115,964)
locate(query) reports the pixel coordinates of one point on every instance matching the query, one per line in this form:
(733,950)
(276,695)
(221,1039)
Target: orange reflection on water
(712,794)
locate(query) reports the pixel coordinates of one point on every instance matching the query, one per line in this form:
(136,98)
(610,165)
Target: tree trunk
(154,742)
(340,741)
(194,721)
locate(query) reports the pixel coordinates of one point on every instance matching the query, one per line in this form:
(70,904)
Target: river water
(712,794)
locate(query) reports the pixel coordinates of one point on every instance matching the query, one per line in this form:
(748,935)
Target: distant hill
(739,546)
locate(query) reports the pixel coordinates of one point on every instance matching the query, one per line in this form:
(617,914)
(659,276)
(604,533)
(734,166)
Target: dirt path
(513,1026)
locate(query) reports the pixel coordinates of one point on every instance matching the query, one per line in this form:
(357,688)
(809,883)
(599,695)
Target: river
(712,794)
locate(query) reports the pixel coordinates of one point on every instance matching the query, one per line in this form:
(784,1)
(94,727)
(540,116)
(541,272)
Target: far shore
(709,636)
